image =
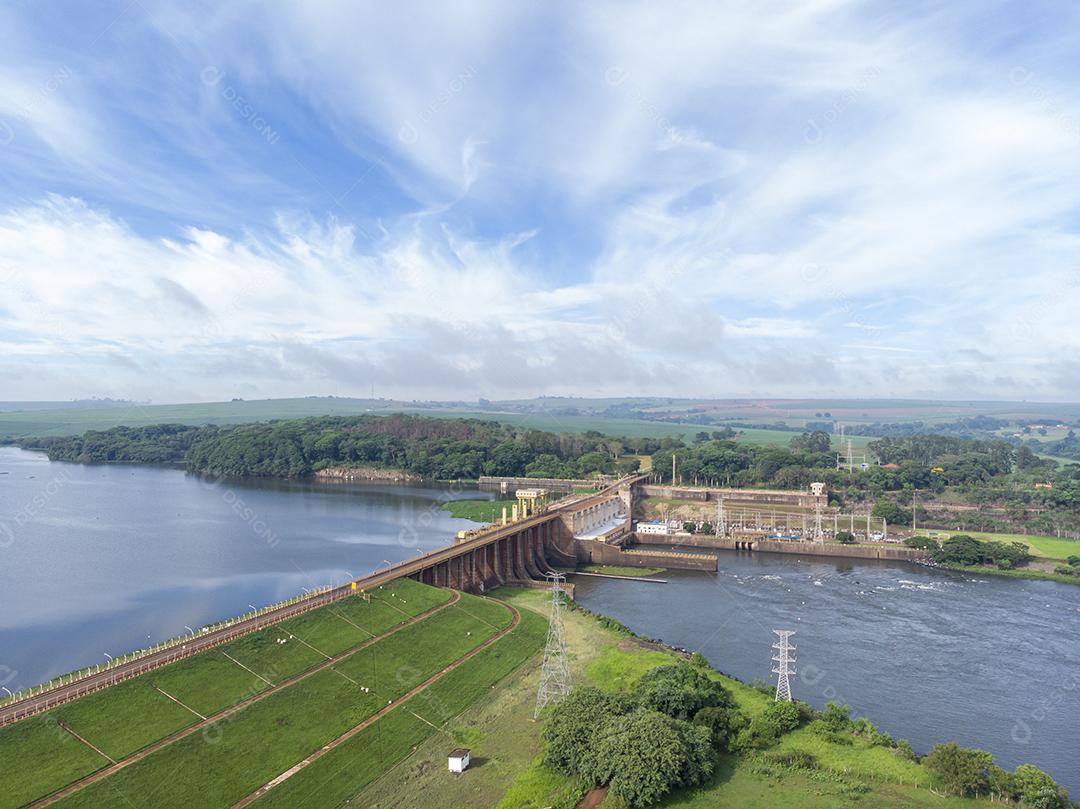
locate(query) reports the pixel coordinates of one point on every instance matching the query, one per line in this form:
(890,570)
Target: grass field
(266,738)
(621,570)
(506,748)
(39,756)
(1047,547)
(75,421)
(339,775)
(480,510)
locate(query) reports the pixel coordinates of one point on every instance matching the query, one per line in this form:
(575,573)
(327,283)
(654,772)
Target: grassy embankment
(485,511)
(222,762)
(507,748)
(1048,552)
(621,570)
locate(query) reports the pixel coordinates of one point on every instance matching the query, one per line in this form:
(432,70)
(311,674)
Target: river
(927,655)
(105,559)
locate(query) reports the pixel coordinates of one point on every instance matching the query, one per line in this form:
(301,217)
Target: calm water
(927,655)
(97,559)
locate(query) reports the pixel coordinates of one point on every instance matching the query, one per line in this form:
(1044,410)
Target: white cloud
(581,198)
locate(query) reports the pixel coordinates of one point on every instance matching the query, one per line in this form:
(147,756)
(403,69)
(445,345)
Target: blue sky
(455,200)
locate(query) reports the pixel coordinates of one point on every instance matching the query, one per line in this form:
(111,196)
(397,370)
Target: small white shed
(459,759)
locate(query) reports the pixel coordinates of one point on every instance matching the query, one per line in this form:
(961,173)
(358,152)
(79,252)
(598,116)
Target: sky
(454,200)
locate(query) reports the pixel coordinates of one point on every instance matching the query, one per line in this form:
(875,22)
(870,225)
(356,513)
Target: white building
(654,527)
(459,760)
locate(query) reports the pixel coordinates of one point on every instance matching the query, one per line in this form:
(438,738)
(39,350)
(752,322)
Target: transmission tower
(555,671)
(783,668)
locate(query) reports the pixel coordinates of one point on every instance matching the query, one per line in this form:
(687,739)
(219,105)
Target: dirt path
(404,699)
(84,782)
(593,798)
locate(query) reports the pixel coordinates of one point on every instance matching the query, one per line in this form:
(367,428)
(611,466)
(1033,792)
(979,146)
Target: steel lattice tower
(783,668)
(555,671)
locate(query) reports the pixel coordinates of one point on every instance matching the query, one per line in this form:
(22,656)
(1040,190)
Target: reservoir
(107,559)
(927,655)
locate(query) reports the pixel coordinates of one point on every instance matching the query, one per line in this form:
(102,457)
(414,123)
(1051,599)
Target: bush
(836,718)
(924,543)
(794,760)
(962,771)
(724,724)
(845,537)
(681,690)
(573,724)
(643,755)
(904,751)
(1074,560)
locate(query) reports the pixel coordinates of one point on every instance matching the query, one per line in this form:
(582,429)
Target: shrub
(924,543)
(681,690)
(845,537)
(724,723)
(573,724)
(962,771)
(642,755)
(794,760)
(904,751)
(836,718)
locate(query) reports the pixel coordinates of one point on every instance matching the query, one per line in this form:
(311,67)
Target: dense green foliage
(964,550)
(984,472)
(438,448)
(641,743)
(681,691)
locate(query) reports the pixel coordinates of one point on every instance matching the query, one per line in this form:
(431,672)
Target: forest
(1036,492)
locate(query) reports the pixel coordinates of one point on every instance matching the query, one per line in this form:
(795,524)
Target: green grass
(1047,547)
(208,682)
(216,768)
(38,757)
(127,717)
(342,772)
(124,718)
(265,656)
(485,511)
(621,570)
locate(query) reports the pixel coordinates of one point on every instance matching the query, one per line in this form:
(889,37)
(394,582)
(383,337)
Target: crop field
(221,765)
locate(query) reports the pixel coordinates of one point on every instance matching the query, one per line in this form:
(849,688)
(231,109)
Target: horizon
(207,203)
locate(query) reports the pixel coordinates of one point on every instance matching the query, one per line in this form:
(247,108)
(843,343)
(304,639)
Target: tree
(816,441)
(845,537)
(724,724)
(960,549)
(680,690)
(1038,790)
(574,722)
(962,771)
(642,755)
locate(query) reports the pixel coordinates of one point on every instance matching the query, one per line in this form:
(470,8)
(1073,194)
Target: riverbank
(366,473)
(507,745)
(1015,573)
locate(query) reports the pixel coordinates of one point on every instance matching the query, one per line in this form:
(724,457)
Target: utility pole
(783,668)
(555,670)
(673,469)
(914,510)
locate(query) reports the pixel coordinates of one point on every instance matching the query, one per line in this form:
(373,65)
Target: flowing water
(927,655)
